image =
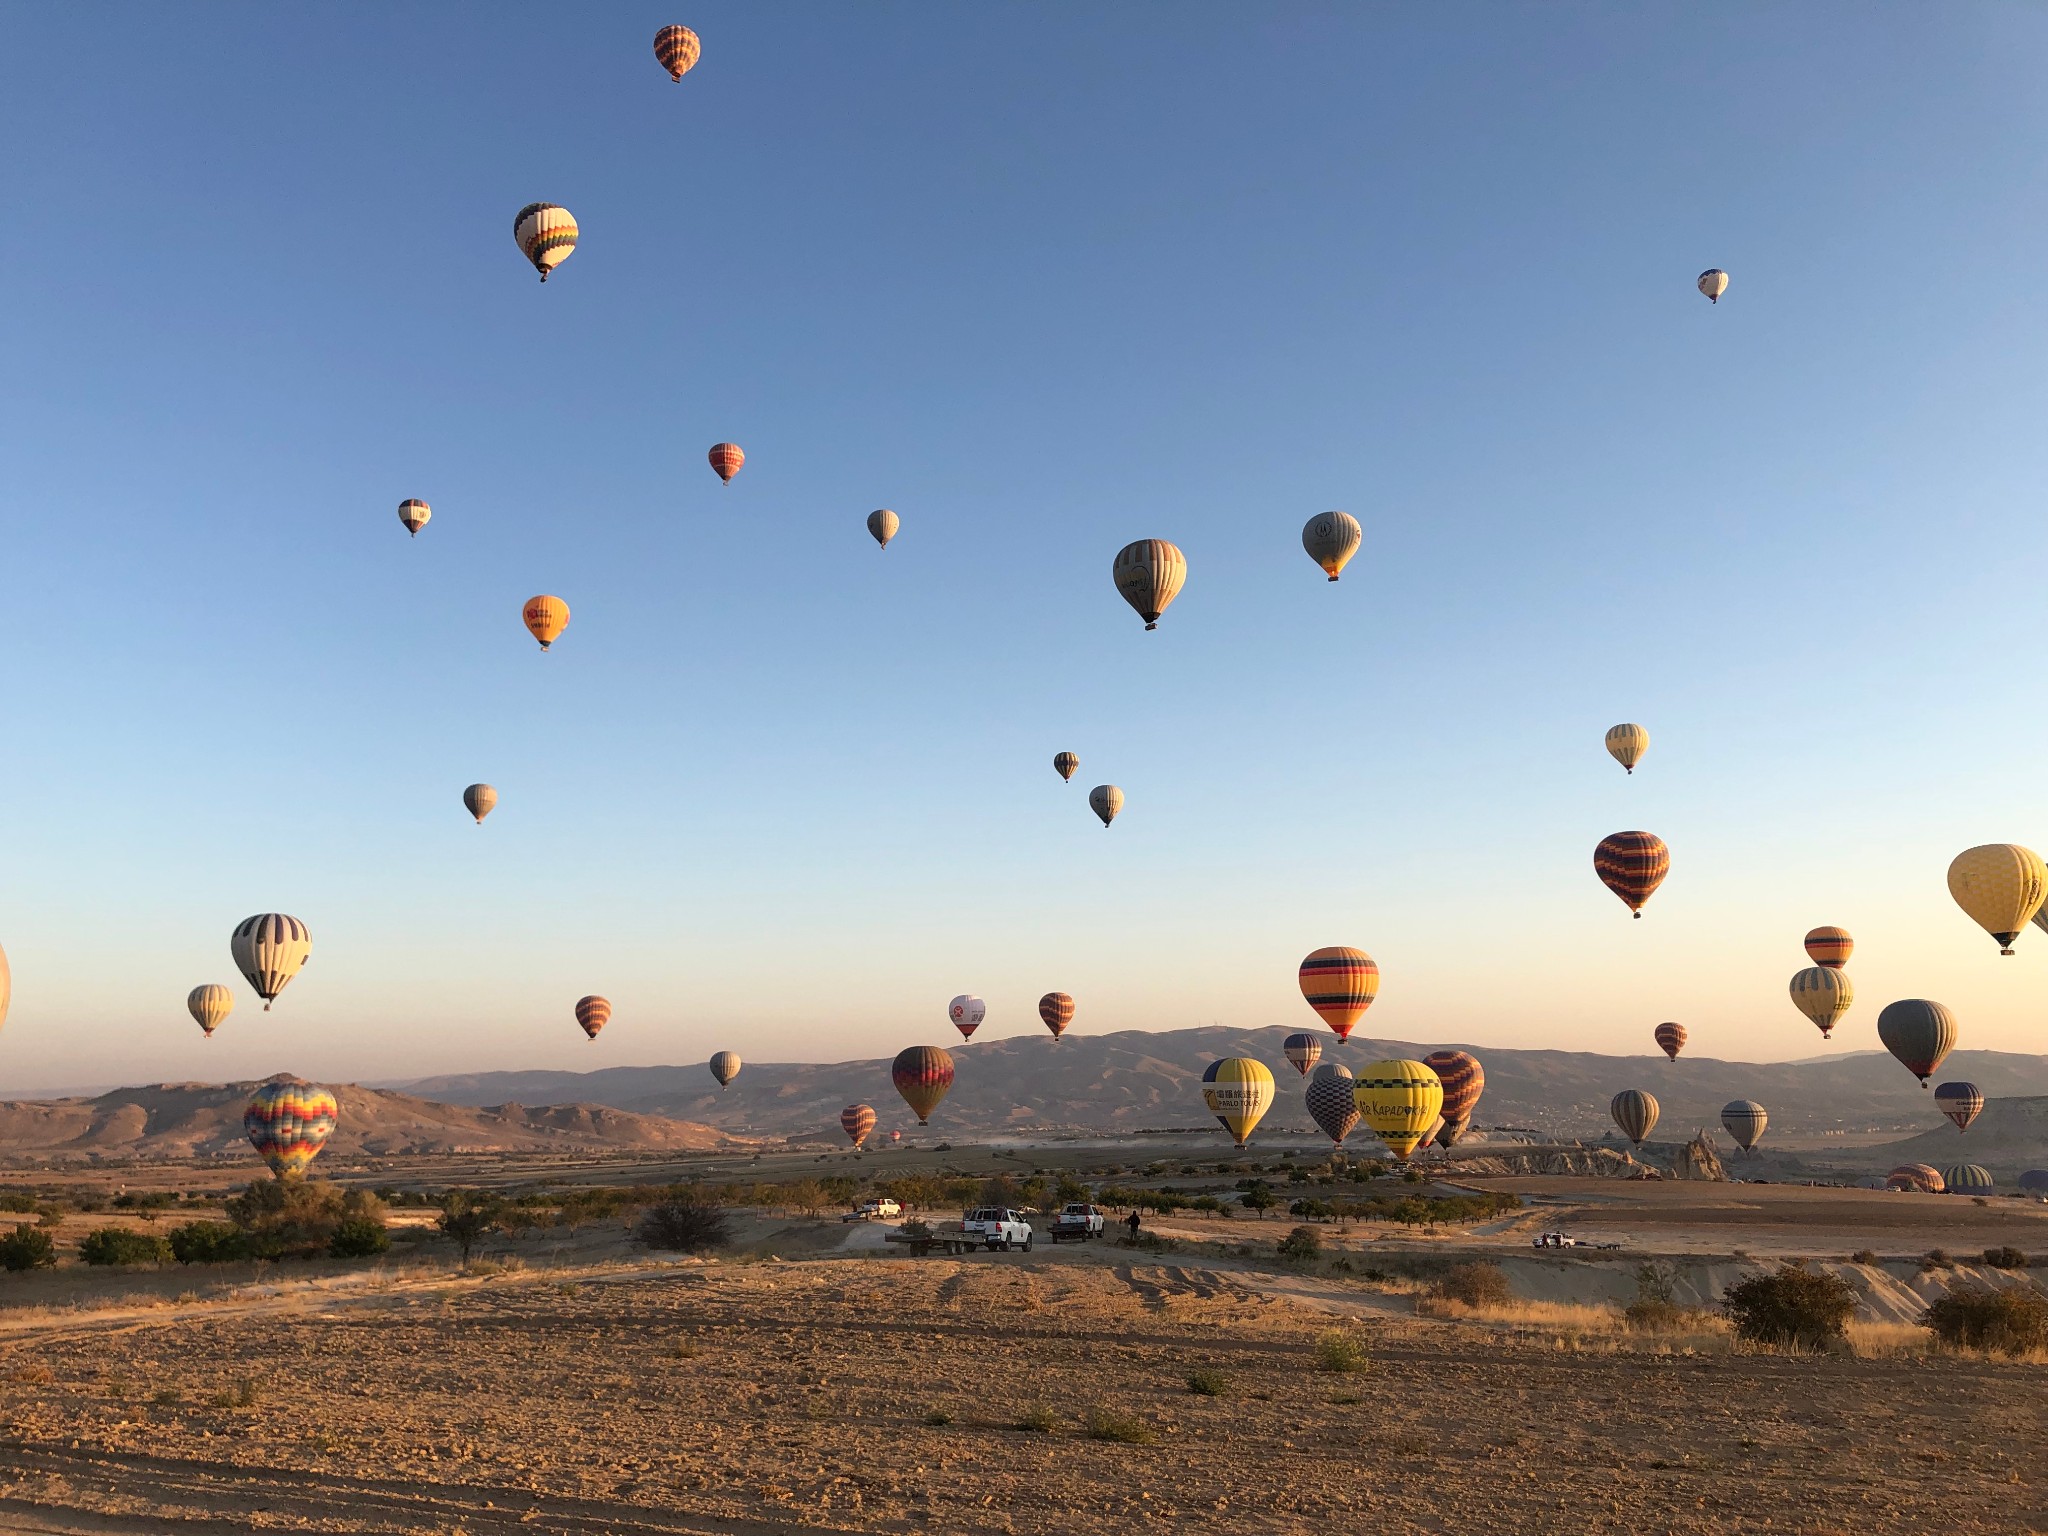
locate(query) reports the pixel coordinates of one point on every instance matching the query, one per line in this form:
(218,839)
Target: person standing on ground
(1131,1221)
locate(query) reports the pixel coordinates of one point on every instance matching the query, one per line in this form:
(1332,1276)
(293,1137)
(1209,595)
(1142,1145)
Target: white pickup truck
(998,1227)
(1079,1221)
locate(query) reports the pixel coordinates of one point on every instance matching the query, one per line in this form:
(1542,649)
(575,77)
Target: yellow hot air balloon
(2001,886)
(1398,1101)
(1331,539)
(547,617)
(1626,744)
(1823,995)
(210,1004)
(1238,1091)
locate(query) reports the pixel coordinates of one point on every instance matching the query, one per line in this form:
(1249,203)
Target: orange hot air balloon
(593,1013)
(726,458)
(1464,1079)
(1829,946)
(1670,1039)
(1632,865)
(547,617)
(1340,983)
(858,1121)
(922,1074)
(1057,1009)
(678,49)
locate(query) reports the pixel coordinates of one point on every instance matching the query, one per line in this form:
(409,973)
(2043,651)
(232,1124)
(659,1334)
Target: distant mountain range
(1133,1080)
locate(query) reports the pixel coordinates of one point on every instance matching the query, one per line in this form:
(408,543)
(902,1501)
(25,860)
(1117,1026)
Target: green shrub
(1479,1284)
(1039,1421)
(2005,1258)
(297,1218)
(20,1201)
(27,1248)
(208,1242)
(118,1245)
(2011,1319)
(1864,1256)
(1341,1353)
(1208,1383)
(684,1226)
(1936,1258)
(937,1418)
(1122,1428)
(1793,1306)
(1301,1244)
(358,1237)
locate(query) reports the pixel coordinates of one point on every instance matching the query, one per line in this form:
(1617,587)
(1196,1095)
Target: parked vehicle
(871,1209)
(1554,1240)
(998,1227)
(1080,1221)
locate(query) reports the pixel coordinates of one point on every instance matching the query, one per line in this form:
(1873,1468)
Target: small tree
(1257,1197)
(358,1237)
(1479,1284)
(684,1225)
(27,1248)
(121,1245)
(1302,1244)
(467,1218)
(2011,1319)
(208,1242)
(1794,1306)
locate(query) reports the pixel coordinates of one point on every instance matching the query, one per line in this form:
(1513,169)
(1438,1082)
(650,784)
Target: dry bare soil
(872,1394)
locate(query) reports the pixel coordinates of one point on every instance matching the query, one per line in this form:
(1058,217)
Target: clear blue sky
(1044,279)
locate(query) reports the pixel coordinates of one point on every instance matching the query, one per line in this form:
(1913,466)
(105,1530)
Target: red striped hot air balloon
(858,1121)
(678,49)
(726,458)
(593,1013)
(1304,1051)
(288,1121)
(1340,983)
(1670,1039)
(922,1074)
(1961,1102)
(1057,1010)
(1632,865)
(1918,1178)
(1829,946)
(1464,1080)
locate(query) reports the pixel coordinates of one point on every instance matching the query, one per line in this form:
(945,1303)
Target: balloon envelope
(1333,1102)
(678,49)
(1105,800)
(1064,764)
(1056,1010)
(546,233)
(2001,886)
(1339,982)
(479,799)
(414,514)
(1238,1091)
(1331,539)
(1921,1177)
(883,524)
(1463,1079)
(1149,573)
(1823,995)
(1968,1179)
(1829,946)
(1632,865)
(546,617)
(967,1011)
(593,1013)
(1670,1039)
(1745,1120)
(922,1074)
(1961,1102)
(209,1005)
(1626,744)
(2035,1181)
(1713,283)
(725,1066)
(726,459)
(287,1121)
(1398,1101)
(857,1120)
(1635,1112)
(269,948)
(1304,1051)
(1919,1033)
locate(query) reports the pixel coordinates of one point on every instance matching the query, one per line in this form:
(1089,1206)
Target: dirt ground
(876,1394)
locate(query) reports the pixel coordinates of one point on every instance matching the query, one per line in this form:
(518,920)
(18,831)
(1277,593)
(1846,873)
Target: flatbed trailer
(946,1237)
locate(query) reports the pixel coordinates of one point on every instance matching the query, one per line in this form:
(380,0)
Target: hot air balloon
(1149,573)
(1304,1051)
(1105,800)
(1921,1178)
(1919,1033)
(546,234)
(2035,1182)
(1340,983)
(1238,1091)
(1968,1179)
(1823,996)
(2002,886)
(1670,1039)
(269,948)
(1332,1103)
(1064,764)
(1632,865)
(922,1074)
(1331,539)
(1626,744)
(1398,1100)
(1429,1136)
(1829,946)
(726,458)
(857,1120)
(1057,1010)
(678,49)
(287,1121)
(210,1005)
(1463,1081)
(1713,283)
(1745,1120)
(593,1013)
(1961,1102)
(883,525)
(895,1136)
(1635,1112)
(547,617)
(479,799)
(967,1011)
(414,515)
(725,1066)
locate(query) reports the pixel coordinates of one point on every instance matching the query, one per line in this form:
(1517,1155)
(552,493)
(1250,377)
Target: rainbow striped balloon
(546,233)
(1340,983)
(922,1074)
(288,1121)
